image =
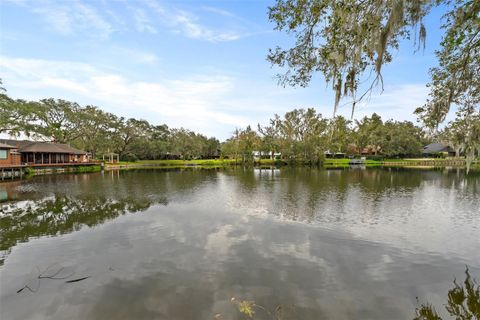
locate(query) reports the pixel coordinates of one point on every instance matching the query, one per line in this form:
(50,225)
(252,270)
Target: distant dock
(12,172)
(356,162)
(9,172)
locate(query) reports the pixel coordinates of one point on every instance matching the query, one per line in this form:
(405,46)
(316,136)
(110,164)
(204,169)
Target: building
(257,155)
(336,155)
(24,152)
(438,148)
(9,155)
(369,150)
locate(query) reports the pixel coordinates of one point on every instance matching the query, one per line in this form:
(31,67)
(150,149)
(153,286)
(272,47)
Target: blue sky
(196,64)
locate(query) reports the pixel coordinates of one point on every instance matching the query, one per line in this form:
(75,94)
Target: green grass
(179,163)
(336,161)
(85,169)
(266,162)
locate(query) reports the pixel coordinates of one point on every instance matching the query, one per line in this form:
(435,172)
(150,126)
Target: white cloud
(219,11)
(187,24)
(59,19)
(400,97)
(72,17)
(142,22)
(87,16)
(397,102)
(212,102)
(136,56)
(189,102)
(68,18)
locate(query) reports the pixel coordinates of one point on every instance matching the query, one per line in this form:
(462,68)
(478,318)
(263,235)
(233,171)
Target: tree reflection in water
(62,214)
(55,205)
(229,233)
(463,302)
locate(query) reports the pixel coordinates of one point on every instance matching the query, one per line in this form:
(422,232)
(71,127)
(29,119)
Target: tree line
(91,129)
(349,42)
(304,136)
(301,135)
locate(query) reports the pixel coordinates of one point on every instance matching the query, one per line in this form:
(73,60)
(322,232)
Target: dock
(19,171)
(356,162)
(12,171)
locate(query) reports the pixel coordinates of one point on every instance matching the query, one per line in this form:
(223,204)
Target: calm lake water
(152,244)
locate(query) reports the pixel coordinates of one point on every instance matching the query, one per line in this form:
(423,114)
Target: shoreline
(328,163)
(426,163)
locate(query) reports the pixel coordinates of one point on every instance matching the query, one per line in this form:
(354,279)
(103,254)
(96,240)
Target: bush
(129,157)
(376,157)
(29,171)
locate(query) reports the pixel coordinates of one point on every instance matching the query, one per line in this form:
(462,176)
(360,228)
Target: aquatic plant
(249,308)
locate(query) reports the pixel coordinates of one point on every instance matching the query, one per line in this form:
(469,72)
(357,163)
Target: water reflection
(62,214)
(463,302)
(335,244)
(54,205)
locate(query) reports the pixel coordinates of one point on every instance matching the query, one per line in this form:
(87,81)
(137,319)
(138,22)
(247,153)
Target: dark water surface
(323,244)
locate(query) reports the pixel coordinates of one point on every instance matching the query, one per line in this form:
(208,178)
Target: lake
(180,244)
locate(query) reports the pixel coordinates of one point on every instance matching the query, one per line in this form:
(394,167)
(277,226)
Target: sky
(195,64)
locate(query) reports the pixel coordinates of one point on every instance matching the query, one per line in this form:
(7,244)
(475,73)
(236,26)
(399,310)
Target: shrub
(129,157)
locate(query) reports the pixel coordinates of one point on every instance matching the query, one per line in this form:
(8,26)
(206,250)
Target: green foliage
(300,136)
(15,115)
(246,307)
(347,41)
(464,132)
(85,169)
(368,132)
(343,39)
(98,132)
(375,157)
(249,308)
(129,157)
(303,136)
(29,171)
(242,145)
(340,132)
(455,80)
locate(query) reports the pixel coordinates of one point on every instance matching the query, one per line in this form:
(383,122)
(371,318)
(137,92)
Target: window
(3,154)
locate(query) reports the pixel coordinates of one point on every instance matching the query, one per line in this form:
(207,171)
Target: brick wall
(13,158)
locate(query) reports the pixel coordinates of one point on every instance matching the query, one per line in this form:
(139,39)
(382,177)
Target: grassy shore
(211,163)
(328,163)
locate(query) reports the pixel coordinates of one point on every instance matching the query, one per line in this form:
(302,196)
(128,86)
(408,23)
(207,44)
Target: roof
(16,143)
(6,146)
(50,148)
(47,147)
(436,147)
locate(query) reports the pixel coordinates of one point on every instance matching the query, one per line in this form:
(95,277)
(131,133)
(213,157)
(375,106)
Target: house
(336,155)
(42,153)
(9,155)
(366,151)
(257,155)
(438,148)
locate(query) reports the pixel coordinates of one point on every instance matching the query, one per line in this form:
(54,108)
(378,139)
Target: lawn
(199,162)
